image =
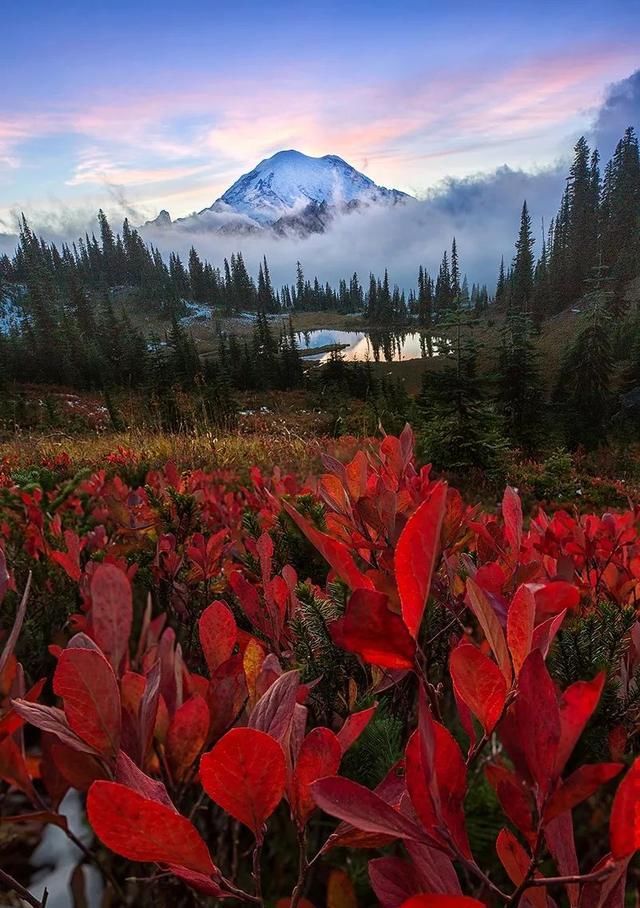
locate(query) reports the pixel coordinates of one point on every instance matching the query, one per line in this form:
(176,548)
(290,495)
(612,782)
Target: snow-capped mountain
(288,182)
(289,192)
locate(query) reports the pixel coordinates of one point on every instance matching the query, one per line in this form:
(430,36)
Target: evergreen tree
(621,209)
(108,249)
(265,296)
(583,391)
(519,391)
(455,273)
(459,428)
(582,228)
(425,298)
(522,277)
(501,284)
(443,296)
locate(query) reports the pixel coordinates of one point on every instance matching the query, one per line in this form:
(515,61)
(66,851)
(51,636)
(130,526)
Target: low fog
(482,213)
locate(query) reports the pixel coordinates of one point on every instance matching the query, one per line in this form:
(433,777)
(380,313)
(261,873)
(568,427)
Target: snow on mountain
(288,182)
(288,192)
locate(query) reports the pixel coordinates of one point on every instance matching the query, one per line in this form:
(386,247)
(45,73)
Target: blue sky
(164,104)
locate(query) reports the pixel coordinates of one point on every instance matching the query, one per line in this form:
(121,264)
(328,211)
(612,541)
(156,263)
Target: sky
(148,105)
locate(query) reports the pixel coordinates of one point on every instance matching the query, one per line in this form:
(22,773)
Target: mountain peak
(283,185)
(162,220)
(287,192)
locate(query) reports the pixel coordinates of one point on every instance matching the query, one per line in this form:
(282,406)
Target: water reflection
(375,346)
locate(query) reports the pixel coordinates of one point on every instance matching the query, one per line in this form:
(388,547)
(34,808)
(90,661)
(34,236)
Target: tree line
(597,226)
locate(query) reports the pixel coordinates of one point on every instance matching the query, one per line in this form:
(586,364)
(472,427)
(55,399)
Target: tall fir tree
(584,387)
(519,391)
(522,276)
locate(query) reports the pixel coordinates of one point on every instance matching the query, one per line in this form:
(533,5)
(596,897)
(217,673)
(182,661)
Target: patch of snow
(12,315)
(197,312)
(56,857)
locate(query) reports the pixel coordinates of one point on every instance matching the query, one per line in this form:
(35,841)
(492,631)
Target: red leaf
(218,634)
(512,516)
(517,862)
(479,683)
(273,712)
(127,773)
(11,721)
(442,901)
(435,871)
(245,774)
(513,857)
(54,721)
(625,815)
(142,830)
(187,736)
(319,756)
(577,705)
(13,768)
(353,727)
(520,621)
(86,682)
(227,694)
(370,629)
(393,881)
(148,711)
(79,770)
(362,808)
(437,786)
(415,556)
(514,796)
(544,634)
(69,561)
(608,891)
(198,881)
(111,612)
(490,624)
(333,551)
(538,720)
(9,646)
(562,847)
(391,790)
(579,786)
(555,597)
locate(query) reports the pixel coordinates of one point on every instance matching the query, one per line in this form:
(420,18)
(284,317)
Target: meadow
(342,684)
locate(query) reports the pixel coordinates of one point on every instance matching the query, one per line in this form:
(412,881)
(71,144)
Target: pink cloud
(388,126)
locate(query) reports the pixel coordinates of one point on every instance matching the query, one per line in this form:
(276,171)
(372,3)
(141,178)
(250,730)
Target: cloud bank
(620,109)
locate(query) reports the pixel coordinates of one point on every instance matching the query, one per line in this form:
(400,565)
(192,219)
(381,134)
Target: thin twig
(13,885)
(303,866)
(257,870)
(239,893)
(576,878)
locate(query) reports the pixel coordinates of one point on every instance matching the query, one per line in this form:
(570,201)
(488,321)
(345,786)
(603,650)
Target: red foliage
(148,721)
(245,774)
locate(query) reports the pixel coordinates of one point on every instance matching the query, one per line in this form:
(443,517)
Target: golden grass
(188,450)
